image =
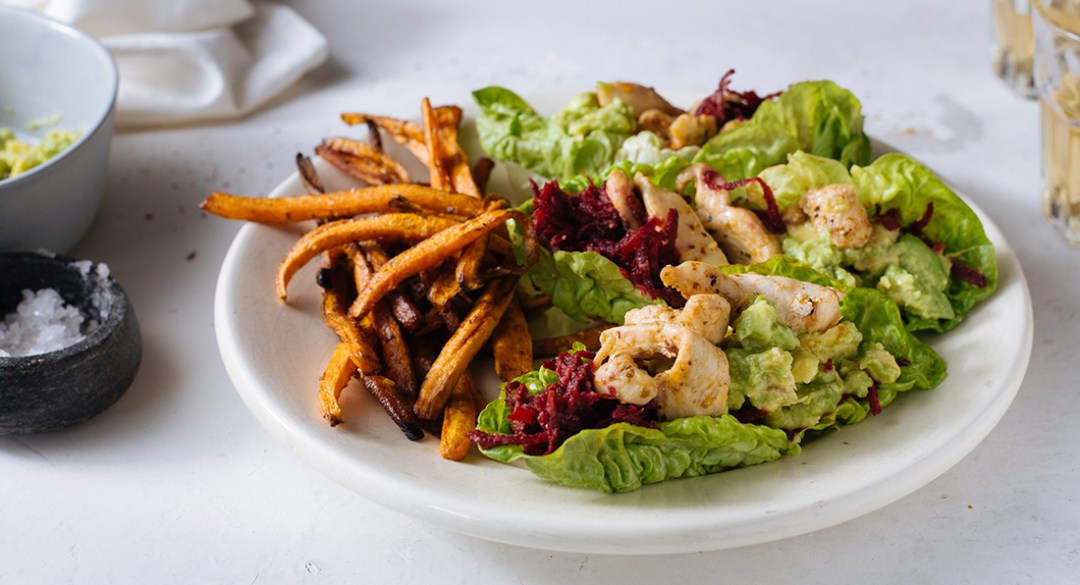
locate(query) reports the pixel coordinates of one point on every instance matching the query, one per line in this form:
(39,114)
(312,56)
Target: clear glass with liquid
(1013,46)
(1056,26)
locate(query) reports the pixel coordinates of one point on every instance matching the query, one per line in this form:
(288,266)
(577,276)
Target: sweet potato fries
(417,279)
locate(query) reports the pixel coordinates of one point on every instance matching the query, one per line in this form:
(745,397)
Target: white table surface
(178,483)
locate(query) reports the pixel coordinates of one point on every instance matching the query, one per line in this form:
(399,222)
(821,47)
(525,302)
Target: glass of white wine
(1013,47)
(1056,28)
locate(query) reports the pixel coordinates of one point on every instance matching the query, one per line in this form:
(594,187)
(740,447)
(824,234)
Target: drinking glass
(1012,44)
(1056,28)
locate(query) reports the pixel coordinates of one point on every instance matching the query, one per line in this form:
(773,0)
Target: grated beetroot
(890,219)
(726,104)
(749,414)
(588,222)
(565,222)
(916,227)
(969,274)
(541,422)
(872,398)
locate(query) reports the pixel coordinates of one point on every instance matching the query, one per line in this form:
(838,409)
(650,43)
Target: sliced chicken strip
(802,306)
(837,210)
(708,315)
(741,234)
(692,241)
(619,190)
(697,278)
(639,97)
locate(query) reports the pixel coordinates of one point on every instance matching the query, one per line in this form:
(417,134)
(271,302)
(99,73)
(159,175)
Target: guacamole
(799,380)
(900,265)
(18,157)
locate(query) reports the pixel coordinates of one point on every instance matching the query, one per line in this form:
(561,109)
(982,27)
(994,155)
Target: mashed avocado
(18,157)
(800,380)
(900,265)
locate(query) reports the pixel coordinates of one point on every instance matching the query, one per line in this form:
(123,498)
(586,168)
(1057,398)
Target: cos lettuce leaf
(623,457)
(584,139)
(581,139)
(935,301)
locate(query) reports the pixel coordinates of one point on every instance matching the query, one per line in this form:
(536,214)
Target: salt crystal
(99,299)
(83,266)
(41,323)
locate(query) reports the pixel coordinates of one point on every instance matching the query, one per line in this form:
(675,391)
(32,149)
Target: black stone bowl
(55,390)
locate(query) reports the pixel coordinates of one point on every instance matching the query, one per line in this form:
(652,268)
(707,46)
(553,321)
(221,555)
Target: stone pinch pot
(55,390)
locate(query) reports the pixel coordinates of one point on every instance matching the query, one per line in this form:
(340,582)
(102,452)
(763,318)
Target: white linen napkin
(194,60)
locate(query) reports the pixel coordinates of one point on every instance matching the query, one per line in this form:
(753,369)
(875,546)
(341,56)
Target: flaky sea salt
(100,273)
(41,323)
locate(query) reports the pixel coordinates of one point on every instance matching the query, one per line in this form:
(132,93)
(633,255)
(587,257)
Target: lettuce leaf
(623,457)
(586,286)
(899,181)
(878,319)
(818,117)
(581,139)
(894,181)
(803,172)
(584,140)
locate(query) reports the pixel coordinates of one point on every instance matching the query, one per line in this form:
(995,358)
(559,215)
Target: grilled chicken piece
(707,314)
(837,210)
(638,97)
(658,122)
(690,130)
(698,379)
(619,190)
(802,306)
(741,234)
(692,241)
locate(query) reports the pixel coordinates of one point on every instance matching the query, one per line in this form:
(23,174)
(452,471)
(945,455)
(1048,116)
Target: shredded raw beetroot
(748,413)
(917,226)
(726,104)
(588,222)
(565,222)
(540,422)
(770,216)
(872,398)
(890,220)
(969,274)
(644,252)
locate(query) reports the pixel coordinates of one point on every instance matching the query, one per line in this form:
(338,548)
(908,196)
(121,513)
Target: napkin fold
(194,60)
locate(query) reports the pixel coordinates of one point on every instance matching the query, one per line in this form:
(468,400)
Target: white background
(177,483)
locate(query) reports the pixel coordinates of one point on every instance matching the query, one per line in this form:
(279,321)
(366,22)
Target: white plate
(275,352)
